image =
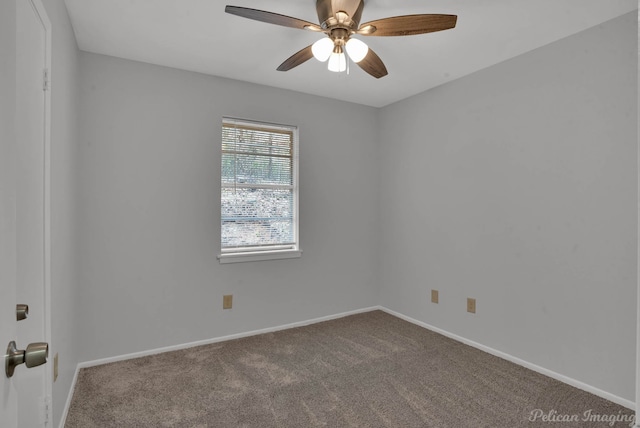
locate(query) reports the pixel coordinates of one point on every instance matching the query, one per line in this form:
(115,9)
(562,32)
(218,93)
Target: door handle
(35,355)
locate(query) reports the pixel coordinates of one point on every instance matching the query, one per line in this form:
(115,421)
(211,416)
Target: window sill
(259,256)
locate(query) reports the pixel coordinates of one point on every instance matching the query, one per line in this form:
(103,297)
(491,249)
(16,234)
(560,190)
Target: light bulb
(357,50)
(322,49)
(337,62)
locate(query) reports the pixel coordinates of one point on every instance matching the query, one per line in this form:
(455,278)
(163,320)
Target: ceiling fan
(340,20)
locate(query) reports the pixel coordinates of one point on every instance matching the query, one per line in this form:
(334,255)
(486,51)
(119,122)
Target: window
(259,191)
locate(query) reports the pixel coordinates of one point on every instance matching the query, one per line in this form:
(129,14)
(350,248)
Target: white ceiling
(197,35)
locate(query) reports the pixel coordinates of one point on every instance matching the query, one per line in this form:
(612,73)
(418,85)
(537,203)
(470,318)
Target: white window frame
(272,252)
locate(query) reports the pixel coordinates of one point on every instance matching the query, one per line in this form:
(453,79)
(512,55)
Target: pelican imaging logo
(553,416)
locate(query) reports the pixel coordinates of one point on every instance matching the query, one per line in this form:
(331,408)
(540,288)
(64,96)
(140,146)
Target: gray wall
(517,186)
(150,219)
(64,199)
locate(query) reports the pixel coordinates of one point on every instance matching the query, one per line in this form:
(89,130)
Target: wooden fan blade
(373,65)
(303,55)
(272,18)
(408,25)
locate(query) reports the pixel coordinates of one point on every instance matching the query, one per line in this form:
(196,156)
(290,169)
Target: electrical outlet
(471,305)
(55,367)
(434,296)
(227,301)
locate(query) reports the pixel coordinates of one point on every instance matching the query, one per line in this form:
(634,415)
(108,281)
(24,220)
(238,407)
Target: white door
(27,391)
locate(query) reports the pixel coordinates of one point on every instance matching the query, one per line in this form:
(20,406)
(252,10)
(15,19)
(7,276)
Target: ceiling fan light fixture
(357,50)
(322,49)
(339,20)
(337,62)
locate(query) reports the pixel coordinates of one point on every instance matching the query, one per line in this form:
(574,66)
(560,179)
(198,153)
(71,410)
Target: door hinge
(45,79)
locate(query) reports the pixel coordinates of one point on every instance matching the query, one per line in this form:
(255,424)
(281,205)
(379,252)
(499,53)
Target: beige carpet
(366,370)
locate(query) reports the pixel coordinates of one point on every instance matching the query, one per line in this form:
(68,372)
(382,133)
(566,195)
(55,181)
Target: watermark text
(587,416)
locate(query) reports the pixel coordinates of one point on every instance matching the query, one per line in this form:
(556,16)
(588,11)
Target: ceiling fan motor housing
(340,36)
(339,14)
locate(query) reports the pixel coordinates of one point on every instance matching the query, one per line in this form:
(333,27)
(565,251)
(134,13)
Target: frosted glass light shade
(357,49)
(337,62)
(322,49)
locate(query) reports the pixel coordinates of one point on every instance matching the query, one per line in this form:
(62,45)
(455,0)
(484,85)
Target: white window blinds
(258,187)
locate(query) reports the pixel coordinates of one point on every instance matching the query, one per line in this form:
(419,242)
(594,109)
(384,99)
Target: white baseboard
(562,378)
(99,362)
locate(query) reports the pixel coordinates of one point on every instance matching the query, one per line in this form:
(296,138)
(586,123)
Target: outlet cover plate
(227,301)
(471,305)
